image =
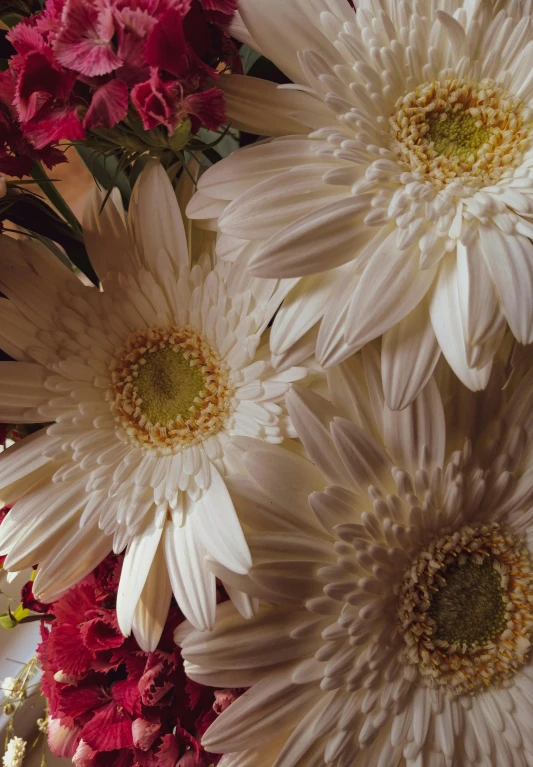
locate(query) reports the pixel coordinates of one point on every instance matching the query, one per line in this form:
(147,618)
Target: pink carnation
(110,703)
(80,63)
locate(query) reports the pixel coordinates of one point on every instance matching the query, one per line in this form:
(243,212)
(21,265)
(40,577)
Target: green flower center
(466,608)
(457,135)
(168,385)
(459,130)
(469,606)
(170,388)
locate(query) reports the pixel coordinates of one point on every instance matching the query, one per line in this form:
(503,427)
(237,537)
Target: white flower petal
(152,608)
(137,563)
(106,236)
(416,436)
(510,260)
(330,235)
(155,220)
(193,584)
(445,311)
(217,525)
(409,354)
(260,107)
(391,286)
(480,311)
(66,566)
(311,416)
(277,202)
(280,42)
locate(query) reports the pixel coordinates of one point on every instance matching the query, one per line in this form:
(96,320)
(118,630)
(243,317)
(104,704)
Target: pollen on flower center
(469,605)
(168,385)
(458,135)
(460,130)
(466,609)
(170,388)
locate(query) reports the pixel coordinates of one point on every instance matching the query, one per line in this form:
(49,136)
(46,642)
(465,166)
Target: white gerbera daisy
(146,384)
(401,194)
(398,568)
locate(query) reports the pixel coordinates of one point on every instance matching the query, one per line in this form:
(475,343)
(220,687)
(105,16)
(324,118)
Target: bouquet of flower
(268,407)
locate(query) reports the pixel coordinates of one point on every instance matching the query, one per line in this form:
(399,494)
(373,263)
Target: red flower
(29,602)
(110,703)
(157,102)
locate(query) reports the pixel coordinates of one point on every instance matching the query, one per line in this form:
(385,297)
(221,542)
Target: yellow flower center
(466,609)
(460,130)
(457,135)
(168,385)
(170,388)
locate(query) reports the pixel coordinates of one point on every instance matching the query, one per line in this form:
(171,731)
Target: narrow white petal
(152,608)
(260,107)
(391,286)
(409,354)
(445,311)
(480,311)
(79,556)
(217,525)
(331,234)
(106,236)
(510,260)
(194,586)
(311,416)
(137,563)
(155,219)
(416,436)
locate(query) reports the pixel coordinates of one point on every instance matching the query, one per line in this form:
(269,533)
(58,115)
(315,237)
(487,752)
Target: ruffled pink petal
(157,103)
(40,80)
(208,107)
(108,730)
(84,43)
(109,105)
(145,733)
(26,38)
(53,125)
(62,741)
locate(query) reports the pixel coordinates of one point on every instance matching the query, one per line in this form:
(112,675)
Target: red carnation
(110,703)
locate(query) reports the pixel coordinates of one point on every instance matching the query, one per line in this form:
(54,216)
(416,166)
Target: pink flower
(108,106)
(62,740)
(206,108)
(84,42)
(111,704)
(158,102)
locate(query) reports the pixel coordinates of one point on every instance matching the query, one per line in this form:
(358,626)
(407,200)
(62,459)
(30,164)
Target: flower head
(146,387)
(396,568)
(78,62)
(109,702)
(398,192)
(14,754)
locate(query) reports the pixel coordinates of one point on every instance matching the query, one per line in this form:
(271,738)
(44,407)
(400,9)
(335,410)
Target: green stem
(39,175)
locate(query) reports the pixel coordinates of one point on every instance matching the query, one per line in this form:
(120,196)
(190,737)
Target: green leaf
(39,175)
(7,622)
(104,169)
(249,57)
(180,137)
(11,19)
(266,70)
(33,214)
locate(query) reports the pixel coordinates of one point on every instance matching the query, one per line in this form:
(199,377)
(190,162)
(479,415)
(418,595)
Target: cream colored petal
(409,354)
(155,221)
(152,608)
(106,237)
(260,107)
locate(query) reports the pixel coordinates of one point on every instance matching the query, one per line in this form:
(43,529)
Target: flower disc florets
(466,608)
(459,130)
(170,388)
